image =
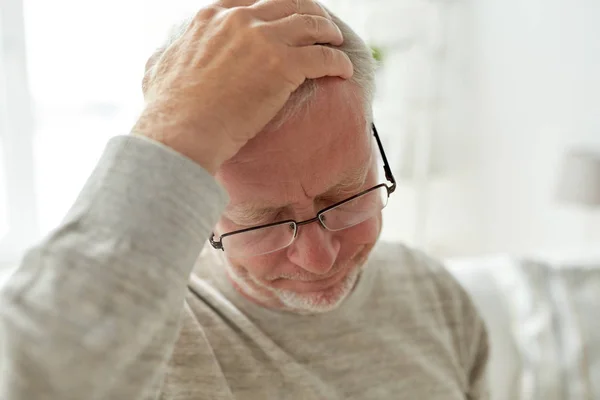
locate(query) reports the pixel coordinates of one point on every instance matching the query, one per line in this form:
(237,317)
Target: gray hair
(355,48)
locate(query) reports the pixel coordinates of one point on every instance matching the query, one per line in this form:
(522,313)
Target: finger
(319,61)
(235,3)
(303,30)
(270,10)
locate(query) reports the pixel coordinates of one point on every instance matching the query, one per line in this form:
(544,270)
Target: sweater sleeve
(478,379)
(93,310)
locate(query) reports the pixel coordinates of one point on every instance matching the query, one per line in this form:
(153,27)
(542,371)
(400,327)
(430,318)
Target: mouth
(304,284)
(317,285)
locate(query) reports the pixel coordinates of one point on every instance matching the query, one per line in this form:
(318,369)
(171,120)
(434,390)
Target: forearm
(92,312)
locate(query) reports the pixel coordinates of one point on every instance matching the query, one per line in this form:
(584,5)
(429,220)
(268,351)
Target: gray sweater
(116,304)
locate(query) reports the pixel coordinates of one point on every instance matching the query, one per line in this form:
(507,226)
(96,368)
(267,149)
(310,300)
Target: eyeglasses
(269,238)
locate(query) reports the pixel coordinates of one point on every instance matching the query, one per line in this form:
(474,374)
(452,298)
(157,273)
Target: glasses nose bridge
(310,221)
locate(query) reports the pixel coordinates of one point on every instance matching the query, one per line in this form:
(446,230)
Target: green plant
(377,52)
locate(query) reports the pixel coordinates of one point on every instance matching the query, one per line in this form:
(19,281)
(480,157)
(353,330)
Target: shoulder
(437,297)
(428,279)
(398,261)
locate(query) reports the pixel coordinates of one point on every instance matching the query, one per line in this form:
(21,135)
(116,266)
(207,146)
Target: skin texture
(293,173)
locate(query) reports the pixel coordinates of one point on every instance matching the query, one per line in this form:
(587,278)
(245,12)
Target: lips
(312,286)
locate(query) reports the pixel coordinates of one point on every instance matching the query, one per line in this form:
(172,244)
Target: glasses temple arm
(386,167)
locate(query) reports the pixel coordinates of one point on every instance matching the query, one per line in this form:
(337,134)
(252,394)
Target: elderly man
(257,136)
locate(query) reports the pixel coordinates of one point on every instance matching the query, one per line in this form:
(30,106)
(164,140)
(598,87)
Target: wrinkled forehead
(308,154)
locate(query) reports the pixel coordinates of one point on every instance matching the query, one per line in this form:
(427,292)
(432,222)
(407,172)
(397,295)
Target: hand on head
(232,71)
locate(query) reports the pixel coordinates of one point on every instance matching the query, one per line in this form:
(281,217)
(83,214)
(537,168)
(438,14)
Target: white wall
(505,87)
(538,93)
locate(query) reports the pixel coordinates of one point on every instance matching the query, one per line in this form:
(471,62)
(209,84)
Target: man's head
(316,152)
(359,53)
(317,158)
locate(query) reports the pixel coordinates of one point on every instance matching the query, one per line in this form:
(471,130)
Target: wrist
(196,141)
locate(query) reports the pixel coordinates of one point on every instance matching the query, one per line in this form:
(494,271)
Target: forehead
(310,153)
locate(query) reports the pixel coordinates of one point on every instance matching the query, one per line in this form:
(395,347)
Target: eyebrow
(249,213)
(350,182)
(252,213)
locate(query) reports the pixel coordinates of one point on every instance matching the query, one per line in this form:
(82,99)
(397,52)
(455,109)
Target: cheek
(261,265)
(364,233)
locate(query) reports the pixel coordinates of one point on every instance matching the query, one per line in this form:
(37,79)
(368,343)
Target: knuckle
(326,54)
(312,24)
(207,12)
(203,16)
(238,17)
(289,7)
(295,5)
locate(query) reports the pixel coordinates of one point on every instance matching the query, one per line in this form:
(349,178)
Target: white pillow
(477,277)
(556,327)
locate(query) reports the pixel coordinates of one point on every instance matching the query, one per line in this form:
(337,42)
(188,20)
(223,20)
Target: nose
(315,249)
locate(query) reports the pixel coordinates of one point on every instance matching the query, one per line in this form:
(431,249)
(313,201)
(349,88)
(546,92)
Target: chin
(319,302)
(299,301)
(305,303)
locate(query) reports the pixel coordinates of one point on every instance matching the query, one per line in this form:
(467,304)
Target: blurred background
(479,104)
(489,114)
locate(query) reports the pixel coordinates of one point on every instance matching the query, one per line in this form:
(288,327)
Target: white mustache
(303,277)
(306,278)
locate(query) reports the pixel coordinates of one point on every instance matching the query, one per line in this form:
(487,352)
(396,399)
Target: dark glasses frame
(218,245)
